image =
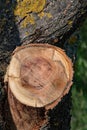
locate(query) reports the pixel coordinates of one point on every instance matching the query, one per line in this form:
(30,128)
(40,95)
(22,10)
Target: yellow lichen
(72,39)
(26,7)
(28,19)
(70,22)
(49,15)
(42,14)
(26,33)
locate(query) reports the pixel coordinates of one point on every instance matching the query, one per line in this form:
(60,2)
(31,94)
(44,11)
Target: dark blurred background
(79,89)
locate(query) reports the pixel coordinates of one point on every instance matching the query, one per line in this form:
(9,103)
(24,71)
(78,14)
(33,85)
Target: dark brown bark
(67,16)
(26,118)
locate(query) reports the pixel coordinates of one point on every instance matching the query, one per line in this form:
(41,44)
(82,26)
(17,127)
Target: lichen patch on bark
(26,8)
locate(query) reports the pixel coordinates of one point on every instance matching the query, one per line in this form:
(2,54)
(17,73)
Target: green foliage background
(79,89)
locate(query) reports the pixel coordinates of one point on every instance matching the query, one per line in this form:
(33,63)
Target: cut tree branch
(46,21)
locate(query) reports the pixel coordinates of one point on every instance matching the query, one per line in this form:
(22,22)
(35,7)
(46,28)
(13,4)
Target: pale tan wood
(25,117)
(39,74)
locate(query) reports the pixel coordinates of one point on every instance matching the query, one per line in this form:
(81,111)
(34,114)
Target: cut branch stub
(39,75)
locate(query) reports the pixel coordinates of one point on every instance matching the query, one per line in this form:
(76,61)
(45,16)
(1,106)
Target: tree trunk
(49,22)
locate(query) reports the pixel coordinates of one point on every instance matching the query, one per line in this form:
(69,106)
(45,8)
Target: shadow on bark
(9,39)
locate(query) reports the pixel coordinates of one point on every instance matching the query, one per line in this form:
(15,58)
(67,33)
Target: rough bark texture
(66,17)
(26,118)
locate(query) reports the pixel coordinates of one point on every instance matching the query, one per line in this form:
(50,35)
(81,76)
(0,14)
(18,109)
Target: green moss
(79,90)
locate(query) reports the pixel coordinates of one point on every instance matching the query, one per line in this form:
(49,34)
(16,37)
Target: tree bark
(52,24)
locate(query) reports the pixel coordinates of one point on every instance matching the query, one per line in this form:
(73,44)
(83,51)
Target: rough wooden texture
(26,118)
(67,16)
(39,75)
(64,17)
